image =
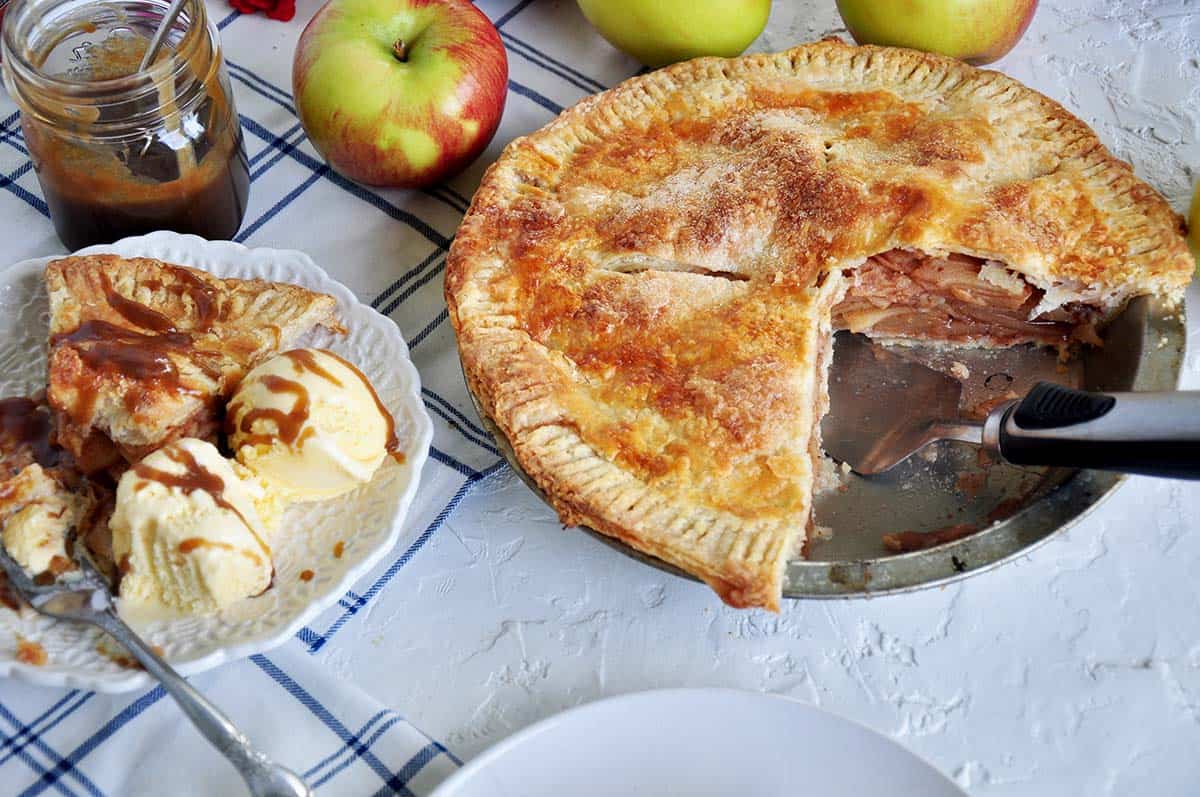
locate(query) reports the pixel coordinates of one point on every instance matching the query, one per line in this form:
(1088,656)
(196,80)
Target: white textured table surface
(1074,670)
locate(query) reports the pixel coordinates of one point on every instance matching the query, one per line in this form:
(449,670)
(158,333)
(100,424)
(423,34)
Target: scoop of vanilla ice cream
(186,533)
(309,424)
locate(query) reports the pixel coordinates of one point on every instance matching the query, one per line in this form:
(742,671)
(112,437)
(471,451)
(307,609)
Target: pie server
(883,408)
(86,598)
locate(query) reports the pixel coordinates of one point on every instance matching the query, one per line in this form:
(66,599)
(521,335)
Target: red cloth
(282,10)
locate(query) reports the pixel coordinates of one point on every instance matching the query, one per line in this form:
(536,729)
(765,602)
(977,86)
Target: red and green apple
(402,93)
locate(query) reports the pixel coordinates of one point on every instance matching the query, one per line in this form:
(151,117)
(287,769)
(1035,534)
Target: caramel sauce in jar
(120,151)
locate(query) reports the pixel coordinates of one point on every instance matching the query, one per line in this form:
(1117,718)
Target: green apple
(399,93)
(975,31)
(660,32)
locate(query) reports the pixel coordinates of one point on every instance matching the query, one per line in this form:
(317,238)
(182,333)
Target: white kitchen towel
(341,741)
(389,247)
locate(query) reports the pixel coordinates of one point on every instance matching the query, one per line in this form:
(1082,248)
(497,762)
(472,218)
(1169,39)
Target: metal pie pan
(1014,509)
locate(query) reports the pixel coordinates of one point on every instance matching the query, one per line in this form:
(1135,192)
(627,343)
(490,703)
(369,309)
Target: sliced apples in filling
(955,298)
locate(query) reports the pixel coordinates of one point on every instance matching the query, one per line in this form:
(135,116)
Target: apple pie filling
(955,298)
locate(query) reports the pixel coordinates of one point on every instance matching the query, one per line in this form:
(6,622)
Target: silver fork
(87,598)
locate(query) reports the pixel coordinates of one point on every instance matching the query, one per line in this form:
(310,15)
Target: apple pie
(644,290)
(143,352)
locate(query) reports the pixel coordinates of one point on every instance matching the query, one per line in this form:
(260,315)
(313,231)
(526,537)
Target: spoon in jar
(185,156)
(160,35)
(85,596)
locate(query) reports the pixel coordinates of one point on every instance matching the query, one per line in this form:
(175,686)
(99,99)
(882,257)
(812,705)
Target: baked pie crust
(643,290)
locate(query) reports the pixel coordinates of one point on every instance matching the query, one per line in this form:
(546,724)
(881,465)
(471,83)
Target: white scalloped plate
(368,521)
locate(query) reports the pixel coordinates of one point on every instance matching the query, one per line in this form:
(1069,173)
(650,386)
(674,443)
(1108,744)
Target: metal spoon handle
(156,41)
(264,777)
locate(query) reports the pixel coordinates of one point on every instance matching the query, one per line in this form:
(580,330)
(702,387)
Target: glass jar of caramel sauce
(120,151)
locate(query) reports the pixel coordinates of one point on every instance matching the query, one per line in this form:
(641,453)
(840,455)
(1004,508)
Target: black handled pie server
(884,408)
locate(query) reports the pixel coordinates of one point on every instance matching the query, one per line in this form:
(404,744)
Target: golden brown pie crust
(641,289)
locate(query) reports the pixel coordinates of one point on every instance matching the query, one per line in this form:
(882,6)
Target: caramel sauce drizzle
(141,356)
(134,354)
(393,444)
(288,425)
(8,597)
(108,348)
(135,312)
(305,360)
(31,653)
(59,565)
(26,423)
(194,543)
(202,297)
(194,477)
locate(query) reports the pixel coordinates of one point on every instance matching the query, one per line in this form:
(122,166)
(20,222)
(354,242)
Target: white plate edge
(469,769)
